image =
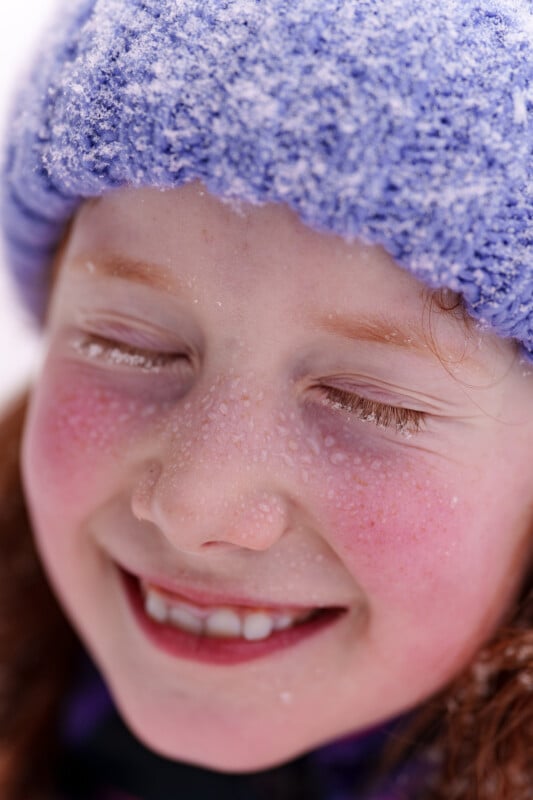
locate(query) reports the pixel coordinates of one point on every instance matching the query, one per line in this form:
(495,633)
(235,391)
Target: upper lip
(200,596)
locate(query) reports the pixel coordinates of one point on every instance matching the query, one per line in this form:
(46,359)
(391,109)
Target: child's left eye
(120,354)
(402,420)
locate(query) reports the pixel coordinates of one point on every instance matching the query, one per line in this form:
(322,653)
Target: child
(277,461)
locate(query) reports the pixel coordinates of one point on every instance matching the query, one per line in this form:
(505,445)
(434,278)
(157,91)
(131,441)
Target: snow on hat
(403,123)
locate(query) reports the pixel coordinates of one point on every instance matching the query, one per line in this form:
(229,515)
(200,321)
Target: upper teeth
(222,621)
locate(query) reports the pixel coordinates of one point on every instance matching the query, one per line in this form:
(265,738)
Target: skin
(228,466)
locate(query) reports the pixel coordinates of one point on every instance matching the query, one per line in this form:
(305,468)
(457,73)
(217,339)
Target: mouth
(221,632)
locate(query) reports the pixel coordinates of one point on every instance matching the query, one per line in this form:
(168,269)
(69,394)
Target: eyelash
(405,421)
(121,354)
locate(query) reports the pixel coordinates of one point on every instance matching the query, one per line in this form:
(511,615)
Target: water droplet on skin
(314,446)
(337,458)
(287,460)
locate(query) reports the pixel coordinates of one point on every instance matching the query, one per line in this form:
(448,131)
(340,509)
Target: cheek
(392,520)
(75,438)
(421,551)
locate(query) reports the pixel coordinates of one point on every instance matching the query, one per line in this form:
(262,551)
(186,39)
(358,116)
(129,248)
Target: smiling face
(239,413)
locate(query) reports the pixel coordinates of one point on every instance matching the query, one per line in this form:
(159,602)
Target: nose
(213,493)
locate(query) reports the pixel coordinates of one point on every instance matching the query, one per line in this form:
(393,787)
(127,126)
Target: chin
(209,749)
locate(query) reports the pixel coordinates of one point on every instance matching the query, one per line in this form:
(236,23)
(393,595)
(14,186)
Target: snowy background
(20,24)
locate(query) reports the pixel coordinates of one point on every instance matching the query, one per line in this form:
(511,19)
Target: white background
(20,25)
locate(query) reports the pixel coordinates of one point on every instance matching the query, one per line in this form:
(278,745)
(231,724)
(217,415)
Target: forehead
(238,242)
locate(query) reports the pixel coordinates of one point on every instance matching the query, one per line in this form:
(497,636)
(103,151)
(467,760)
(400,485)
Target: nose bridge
(218,479)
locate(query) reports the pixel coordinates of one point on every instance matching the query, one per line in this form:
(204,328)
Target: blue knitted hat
(404,123)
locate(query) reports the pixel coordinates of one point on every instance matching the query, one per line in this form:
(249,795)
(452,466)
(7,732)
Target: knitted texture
(404,123)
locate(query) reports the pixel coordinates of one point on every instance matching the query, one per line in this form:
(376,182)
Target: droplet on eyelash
(88,349)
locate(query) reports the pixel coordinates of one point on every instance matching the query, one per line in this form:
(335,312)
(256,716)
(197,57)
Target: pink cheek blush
(78,429)
(395,522)
(411,547)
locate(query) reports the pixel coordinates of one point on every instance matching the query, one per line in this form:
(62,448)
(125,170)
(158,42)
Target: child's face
(198,425)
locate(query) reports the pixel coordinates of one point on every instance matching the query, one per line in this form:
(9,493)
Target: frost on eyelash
(404,428)
(119,356)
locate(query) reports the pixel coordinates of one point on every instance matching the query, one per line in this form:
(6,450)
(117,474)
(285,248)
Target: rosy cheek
(395,516)
(78,428)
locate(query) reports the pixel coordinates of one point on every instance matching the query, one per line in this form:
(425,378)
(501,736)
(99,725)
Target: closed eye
(122,355)
(402,420)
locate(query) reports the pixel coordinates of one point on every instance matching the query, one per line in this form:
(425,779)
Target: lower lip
(212,650)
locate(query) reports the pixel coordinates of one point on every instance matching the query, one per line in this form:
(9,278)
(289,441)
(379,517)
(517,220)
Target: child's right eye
(125,356)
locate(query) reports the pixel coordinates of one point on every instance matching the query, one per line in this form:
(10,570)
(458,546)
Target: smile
(223,621)
(221,633)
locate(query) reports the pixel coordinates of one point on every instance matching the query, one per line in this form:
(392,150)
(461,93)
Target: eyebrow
(155,276)
(392,331)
